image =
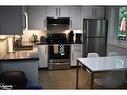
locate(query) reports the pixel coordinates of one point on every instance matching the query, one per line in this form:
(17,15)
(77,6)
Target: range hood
(57,24)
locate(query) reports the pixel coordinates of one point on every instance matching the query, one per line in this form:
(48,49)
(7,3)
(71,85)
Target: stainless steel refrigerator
(94,36)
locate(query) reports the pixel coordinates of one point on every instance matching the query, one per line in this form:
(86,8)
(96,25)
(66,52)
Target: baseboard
(42,69)
(73,67)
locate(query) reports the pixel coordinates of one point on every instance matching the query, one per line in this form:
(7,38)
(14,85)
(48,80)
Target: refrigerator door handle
(86,46)
(87,33)
(72,56)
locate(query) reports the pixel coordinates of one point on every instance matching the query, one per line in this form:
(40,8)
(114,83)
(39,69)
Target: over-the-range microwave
(57,24)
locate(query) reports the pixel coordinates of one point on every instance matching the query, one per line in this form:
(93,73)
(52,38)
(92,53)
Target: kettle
(34,38)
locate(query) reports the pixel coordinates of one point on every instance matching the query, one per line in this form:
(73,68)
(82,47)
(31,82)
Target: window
(122,24)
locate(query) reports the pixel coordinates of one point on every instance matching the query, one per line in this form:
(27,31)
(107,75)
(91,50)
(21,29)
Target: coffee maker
(78,38)
(70,36)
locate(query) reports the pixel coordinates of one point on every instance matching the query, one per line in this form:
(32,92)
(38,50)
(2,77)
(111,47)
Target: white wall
(114,45)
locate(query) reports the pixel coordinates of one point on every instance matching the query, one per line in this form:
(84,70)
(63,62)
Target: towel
(56,48)
(123,25)
(62,50)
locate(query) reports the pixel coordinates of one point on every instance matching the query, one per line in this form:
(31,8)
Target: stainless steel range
(58,51)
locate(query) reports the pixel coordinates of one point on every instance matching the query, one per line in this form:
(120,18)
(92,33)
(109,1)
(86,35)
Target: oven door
(59,53)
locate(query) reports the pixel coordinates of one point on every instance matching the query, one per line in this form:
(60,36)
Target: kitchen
(27,35)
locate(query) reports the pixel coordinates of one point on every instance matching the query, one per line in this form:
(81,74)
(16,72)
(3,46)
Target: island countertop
(22,55)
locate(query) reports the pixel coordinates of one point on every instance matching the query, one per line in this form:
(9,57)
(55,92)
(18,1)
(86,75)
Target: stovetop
(57,38)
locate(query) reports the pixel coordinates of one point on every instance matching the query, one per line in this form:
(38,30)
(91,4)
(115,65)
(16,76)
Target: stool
(15,78)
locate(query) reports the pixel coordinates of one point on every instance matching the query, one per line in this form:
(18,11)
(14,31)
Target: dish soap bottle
(32,38)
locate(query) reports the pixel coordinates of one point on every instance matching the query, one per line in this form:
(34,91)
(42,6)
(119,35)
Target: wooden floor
(64,79)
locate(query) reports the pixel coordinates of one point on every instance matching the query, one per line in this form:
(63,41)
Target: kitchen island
(24,60)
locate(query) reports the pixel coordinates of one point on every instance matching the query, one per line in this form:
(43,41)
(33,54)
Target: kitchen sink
(24,47)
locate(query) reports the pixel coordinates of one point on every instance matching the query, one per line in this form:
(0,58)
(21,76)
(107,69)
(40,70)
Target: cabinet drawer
(76,48)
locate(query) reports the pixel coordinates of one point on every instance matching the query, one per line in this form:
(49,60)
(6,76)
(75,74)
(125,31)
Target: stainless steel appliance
(94,36)
(57,24)
(42,39)
(71,36)
(58,51)
(78,38)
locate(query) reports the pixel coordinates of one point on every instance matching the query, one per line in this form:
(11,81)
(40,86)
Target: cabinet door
(52,11)
(76,52)
(43,56)
(58,11)
(63,11)
(75,55)
(92,12)
(11,20)
(36,18)
(99,12)
(75,17)
(86,12)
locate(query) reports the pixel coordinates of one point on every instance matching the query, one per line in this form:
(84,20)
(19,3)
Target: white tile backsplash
(28,34)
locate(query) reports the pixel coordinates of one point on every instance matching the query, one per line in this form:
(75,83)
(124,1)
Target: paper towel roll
(10,45)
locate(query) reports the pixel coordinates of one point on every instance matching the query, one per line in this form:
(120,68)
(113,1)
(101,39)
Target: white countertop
(105,63)
(23,54)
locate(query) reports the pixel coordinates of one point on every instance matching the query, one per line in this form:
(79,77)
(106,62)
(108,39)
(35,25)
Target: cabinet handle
(95,11)
(24,16)
(92,11)
(72,56)
(56,11)
(0,30)
(44,23)
(71,23)
(59,11)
